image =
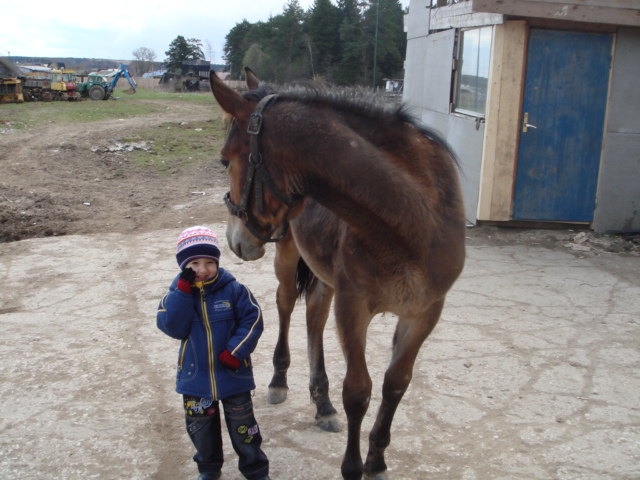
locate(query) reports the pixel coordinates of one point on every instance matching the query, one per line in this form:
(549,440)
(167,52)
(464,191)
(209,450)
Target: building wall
(488,164)
(466,142)
(426,92)
(618,195)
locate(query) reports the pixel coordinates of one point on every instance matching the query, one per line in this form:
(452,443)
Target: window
(443,3)
(472,73)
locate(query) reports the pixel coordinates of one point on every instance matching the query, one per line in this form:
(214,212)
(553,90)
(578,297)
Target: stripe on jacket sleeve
(162,307)
(253,326)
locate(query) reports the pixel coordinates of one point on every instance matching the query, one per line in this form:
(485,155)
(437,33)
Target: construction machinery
(100,86)
(10,84)
(44,83)
(71,84)
(10,90)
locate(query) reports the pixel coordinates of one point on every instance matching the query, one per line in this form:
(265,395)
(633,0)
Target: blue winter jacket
(220,314)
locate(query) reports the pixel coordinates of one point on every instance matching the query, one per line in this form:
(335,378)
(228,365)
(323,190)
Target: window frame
(457,71)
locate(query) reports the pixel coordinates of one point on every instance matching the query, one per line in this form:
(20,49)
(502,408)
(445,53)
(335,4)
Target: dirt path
(59,180)
(533,372)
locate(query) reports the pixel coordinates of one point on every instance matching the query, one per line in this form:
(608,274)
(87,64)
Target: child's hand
(229,360)
(187,276)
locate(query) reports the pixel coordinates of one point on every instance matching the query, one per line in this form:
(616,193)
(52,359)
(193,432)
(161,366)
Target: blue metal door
(561,132)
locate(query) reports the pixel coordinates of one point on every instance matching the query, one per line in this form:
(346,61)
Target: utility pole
(375,45)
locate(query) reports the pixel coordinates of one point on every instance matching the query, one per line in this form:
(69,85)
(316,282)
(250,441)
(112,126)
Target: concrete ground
(532,373)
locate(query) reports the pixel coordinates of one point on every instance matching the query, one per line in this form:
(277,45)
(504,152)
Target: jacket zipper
(211,352)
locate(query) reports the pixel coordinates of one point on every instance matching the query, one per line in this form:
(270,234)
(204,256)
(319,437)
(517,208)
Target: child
(219,323)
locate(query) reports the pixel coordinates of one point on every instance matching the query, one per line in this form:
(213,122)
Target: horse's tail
(305,279)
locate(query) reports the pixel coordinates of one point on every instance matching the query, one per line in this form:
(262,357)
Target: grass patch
(143,102)
(202,98)
(175,145)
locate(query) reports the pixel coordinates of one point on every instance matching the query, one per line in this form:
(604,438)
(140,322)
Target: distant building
(154,74)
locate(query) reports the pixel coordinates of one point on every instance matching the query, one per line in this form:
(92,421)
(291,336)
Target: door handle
(525,123)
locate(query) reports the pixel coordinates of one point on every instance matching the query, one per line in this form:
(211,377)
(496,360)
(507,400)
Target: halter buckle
(255,124)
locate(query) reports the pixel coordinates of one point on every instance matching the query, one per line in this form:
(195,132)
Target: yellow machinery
(11,90)
(10,84)
(46,84)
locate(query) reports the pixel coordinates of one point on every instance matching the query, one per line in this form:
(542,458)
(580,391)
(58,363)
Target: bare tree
(144,60)
(210,51)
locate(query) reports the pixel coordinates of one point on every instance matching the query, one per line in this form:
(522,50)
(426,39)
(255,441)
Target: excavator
(98,87)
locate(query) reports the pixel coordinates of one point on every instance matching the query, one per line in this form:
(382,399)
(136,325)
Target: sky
(114,29)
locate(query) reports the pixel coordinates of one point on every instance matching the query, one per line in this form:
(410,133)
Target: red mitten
(229,360)
(187,276)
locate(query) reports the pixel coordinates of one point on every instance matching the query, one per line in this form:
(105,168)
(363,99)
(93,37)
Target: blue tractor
(98,87)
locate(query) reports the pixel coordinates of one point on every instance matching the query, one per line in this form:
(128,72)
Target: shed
(539,99)
(196,68)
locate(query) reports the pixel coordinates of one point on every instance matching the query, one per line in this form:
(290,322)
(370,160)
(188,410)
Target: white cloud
(118,28)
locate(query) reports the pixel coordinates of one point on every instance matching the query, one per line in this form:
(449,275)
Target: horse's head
(258,203)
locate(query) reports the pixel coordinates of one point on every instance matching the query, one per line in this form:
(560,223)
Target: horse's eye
(224,162)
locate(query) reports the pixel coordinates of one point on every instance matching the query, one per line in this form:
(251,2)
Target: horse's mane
(355,101)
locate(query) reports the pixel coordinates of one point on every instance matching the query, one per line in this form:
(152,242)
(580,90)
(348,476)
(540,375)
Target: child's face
(205,268)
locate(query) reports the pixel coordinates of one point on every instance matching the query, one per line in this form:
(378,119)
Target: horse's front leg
(409,337)
(352,321)
(285,263)
(318,305)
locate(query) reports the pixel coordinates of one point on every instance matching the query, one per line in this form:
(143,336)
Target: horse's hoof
(329,423)
(277,395)
(377,476)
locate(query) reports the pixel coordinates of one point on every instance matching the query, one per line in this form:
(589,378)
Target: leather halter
(257,177)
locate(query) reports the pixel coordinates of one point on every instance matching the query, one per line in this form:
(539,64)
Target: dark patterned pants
(203,426)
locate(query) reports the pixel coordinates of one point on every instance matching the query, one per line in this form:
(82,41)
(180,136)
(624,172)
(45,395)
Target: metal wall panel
(428,77)
(618,195)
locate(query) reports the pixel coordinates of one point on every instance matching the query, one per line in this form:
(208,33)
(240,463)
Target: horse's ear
(230,101)
(252,79)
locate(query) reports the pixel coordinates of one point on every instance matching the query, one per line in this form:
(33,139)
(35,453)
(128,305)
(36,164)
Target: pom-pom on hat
(197,242)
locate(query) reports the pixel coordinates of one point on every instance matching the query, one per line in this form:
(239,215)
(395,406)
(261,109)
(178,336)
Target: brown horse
(375,210)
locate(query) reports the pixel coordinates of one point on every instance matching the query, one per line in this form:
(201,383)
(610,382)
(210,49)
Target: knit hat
(197,242)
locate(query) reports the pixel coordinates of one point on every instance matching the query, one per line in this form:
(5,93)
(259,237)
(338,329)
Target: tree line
(351,43)
(354,42)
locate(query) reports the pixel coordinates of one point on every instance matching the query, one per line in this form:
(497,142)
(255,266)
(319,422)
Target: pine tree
(336,42)
(258,60)
(235,47)
(287,45)
(350,64)
(181,50)
(322,28)
(388,44)
(392,44)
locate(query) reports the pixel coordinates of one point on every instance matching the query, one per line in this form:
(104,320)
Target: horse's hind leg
(318,304)
(409,337)
(285,263)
